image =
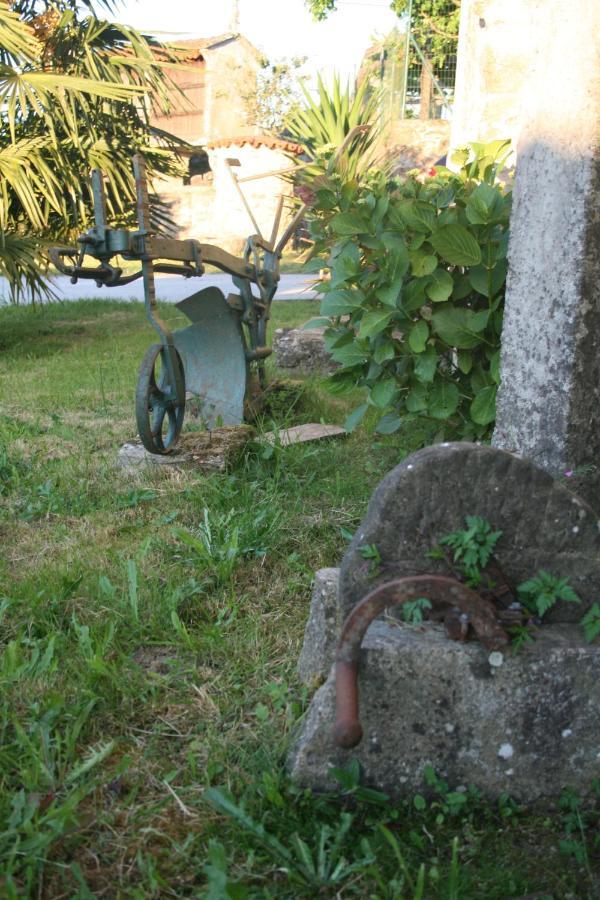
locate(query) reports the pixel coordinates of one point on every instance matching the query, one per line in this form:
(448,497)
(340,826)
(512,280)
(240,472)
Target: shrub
(415,301)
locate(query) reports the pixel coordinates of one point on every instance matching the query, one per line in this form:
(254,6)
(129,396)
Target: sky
(279,28)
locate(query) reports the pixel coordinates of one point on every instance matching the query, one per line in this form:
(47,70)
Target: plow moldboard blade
(213,356)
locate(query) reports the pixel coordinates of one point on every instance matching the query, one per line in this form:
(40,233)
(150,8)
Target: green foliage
(321,126)
(371,553)
(74,95)
(472,550)
(323,864)
(434,25)
(580,823)
(591,623)
(412,611)
(540,593)
(271,95)
(416,295)
(473,546)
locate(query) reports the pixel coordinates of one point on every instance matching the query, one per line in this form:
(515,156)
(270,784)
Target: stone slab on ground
(209,451)
(543,524)
(528,727)
(302,349)
(300,434)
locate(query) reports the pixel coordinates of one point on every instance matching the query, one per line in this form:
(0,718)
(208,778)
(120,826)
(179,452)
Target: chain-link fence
(411,84)
(429,87)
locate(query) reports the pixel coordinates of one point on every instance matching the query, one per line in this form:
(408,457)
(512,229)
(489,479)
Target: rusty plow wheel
(158,412)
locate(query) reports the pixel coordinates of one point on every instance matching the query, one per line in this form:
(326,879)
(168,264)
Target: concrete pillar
(495,50)
(549,400)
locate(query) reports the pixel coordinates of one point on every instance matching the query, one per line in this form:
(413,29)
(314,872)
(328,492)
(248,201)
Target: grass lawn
(149,631)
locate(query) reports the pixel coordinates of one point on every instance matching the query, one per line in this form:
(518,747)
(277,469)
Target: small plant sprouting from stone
(414,609)
(591,623)
(472,547)
(371,553)
(541,592)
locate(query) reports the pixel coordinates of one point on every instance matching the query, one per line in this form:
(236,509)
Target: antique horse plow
(221,354)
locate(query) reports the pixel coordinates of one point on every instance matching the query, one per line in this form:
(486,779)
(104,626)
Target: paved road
(171,288)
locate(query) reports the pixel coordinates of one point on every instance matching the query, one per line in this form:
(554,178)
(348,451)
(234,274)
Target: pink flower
(569,473)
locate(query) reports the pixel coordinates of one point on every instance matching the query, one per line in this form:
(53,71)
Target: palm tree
(75,93)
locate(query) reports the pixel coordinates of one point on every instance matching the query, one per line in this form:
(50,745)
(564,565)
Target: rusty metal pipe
(441,591)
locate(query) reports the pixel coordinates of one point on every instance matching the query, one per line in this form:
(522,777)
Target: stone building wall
(210,208)
(417,143)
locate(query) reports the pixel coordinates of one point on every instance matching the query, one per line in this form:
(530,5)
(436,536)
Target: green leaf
(485,205)
(356,417)
(422,263)
(384,351)
(388,424)
(480,378)
(340,303)
(479,320)
(465,361)
(345,264)
(396,262)
(416,400)
(347,223)
(462,286)
(495,367)
(483,407)
(425,365)
(415,214)
(417,338)
(349,355)
(456,245)
(383,393)
(443,400)
(440,286)
(338,337)
(374,322)
(454,325)
(319,322)
(591,623)
(389,293)
(479,278)
(413,294)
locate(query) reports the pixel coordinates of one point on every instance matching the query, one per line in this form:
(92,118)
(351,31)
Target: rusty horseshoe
(441,590)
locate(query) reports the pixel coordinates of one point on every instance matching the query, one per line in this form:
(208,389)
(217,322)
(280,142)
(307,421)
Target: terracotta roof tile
(258,140)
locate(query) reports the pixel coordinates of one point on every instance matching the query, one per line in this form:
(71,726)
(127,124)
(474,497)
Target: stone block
(303,350)
(322,628)
(528,727)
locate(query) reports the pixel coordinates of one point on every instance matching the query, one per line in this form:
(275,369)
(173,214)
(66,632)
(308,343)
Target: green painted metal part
(213,355)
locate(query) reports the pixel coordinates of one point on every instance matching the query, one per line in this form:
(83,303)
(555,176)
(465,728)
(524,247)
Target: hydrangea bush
(414,304)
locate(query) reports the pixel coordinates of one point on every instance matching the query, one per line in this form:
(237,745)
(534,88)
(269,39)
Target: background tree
(273,93)
(434,26)
(76,92)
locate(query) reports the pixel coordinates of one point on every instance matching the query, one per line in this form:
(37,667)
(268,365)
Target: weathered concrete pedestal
(526,723)
(528,727)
